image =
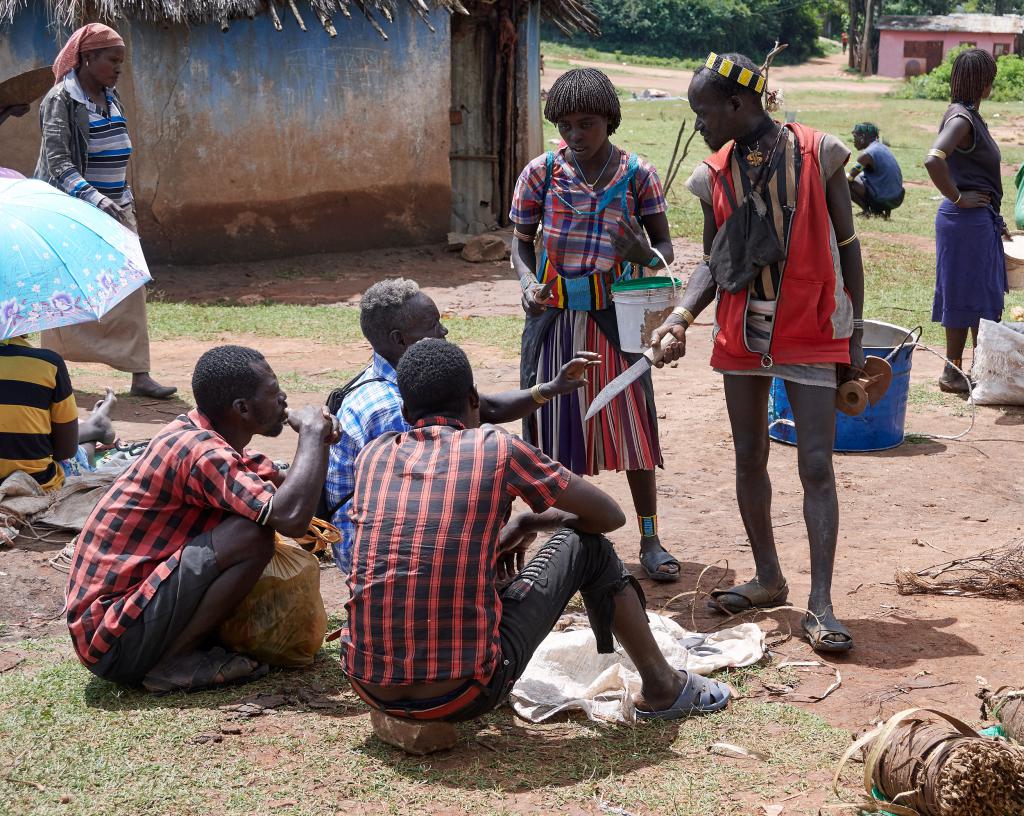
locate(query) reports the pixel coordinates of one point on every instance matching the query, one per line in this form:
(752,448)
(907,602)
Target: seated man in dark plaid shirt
(429,636)
(185,532)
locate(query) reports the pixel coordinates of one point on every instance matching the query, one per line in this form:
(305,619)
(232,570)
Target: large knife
(629,376)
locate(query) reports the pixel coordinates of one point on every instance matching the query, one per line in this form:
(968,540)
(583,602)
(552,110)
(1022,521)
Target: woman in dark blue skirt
(964,164)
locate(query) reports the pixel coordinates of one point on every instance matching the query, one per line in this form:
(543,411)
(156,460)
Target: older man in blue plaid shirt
(393,315)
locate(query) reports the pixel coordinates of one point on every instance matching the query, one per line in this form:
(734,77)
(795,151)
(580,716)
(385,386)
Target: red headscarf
(90,37)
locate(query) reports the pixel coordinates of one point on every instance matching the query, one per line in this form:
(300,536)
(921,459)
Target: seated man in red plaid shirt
(429,636)
(185,532)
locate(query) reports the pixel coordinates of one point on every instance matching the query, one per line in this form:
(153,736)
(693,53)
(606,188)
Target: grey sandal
(700,695)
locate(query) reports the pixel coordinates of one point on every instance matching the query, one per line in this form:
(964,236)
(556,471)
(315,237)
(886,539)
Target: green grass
(110,750)
(324,324)
(927,395)
(556,53)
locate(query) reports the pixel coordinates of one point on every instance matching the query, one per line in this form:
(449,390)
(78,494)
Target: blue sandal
(700,695)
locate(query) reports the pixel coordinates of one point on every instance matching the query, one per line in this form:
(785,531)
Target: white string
(970,399)
(661,257)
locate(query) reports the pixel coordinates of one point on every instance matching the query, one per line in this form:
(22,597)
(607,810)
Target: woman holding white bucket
(589,195)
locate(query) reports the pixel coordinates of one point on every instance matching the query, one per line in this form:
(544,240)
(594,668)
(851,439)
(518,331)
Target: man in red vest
(787,277)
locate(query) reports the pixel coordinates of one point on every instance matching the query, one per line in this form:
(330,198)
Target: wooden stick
(298,17)
(273,16)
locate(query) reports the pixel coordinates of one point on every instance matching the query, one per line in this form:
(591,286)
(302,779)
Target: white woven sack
(999,364)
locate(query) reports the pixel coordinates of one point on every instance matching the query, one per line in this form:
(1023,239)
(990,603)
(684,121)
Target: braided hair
(584,90)
(726,87)
(973,71)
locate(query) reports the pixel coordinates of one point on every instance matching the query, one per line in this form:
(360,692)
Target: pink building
(911,45)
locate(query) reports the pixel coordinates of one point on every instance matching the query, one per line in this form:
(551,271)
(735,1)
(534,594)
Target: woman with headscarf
(964,165)
(85,152)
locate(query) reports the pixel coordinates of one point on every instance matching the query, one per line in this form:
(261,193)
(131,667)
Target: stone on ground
(413,736)
(486,247)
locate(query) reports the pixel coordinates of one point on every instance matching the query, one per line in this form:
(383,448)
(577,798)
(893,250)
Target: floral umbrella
(62,261)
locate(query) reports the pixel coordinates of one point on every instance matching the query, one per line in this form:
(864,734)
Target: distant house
(912,45)
(282,127)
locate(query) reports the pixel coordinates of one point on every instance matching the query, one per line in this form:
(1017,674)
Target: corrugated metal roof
(967,23)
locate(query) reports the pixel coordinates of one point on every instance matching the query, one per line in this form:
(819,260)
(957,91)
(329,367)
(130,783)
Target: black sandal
(756,595)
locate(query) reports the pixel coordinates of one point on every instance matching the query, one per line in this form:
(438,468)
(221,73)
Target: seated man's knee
(238,540)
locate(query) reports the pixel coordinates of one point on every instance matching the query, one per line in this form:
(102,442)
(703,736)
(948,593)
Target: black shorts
(140,647)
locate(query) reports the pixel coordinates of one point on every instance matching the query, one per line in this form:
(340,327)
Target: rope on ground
(970,400)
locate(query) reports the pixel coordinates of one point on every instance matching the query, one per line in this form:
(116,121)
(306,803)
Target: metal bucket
(881,426)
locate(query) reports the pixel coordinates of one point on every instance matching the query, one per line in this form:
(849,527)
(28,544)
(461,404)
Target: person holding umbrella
(84,152)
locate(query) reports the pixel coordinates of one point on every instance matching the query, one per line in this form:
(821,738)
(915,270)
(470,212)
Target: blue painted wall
(255,142)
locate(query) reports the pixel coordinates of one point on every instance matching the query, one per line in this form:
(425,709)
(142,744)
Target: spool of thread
(851,398)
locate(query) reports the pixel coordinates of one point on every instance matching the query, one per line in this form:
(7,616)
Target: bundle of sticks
(1007,706)
(925,763)
(995,573)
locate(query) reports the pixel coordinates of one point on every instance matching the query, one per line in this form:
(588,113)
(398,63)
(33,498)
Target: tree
(690,28)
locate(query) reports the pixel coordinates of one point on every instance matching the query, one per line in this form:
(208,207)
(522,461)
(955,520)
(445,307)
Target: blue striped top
(110,147)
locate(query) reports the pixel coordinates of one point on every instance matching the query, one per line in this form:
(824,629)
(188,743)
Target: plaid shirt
(428,507)
(578,243)
(367,412)
(188,480)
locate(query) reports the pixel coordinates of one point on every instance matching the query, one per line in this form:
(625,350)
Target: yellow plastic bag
(282,622)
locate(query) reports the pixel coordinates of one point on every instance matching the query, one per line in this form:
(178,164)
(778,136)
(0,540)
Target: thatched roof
(568,15)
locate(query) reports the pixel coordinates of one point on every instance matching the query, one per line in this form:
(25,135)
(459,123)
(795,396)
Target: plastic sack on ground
(282,622)
(566,673)
(999,364)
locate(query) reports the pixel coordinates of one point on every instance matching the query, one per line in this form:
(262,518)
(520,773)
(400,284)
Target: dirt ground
(822,74)
(913,506)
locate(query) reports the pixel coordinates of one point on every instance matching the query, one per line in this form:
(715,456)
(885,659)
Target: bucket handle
(903,343)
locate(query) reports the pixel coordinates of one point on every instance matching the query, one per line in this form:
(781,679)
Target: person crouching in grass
(182,536)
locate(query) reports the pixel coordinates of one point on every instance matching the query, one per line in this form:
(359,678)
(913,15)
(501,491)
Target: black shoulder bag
(747,241)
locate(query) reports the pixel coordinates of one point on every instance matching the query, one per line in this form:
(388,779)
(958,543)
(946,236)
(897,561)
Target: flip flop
(205,668)
(819,635)
(652,561)
(755,595)
(700,695)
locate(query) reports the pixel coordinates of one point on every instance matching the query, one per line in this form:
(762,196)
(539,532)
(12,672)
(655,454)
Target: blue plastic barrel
(881,426)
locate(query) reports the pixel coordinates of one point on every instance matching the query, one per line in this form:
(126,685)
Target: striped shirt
(428,507)
(110,148)
(188,480)
(575,231)
(35,393)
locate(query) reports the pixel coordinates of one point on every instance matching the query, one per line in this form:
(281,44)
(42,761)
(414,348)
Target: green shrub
(691,28)
(1008,87)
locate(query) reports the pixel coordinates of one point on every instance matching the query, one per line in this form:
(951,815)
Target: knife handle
(655,353)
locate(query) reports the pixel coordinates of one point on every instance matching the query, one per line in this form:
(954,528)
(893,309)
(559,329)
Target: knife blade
(628,377)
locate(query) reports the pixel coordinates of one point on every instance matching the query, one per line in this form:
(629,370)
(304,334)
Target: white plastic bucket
(641,305)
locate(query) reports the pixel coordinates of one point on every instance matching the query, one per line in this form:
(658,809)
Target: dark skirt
(970,267)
